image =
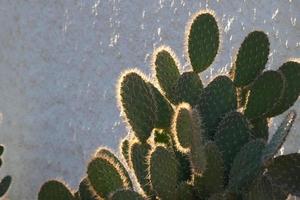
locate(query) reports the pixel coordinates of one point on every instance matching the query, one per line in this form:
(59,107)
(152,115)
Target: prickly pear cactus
(190,141)
(6,181)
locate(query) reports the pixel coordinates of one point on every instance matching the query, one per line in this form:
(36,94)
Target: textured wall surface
(60,61)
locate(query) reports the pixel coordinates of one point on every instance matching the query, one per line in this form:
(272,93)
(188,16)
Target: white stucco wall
(60,60)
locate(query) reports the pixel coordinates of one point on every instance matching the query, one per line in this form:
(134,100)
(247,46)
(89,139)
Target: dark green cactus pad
(4,185)
(163,173)
(217,99)
(163,108)
(185,172)
(126,195)
(246,166)
(107,154)
(125,150)
(278,138)
(184,192)
(260,128)
(188,88)
(86,191)
(162,137)
(105,177)
(55,190)
(183,127)
(251,59)
(262,189)
(264,94)
(212,179)
(232,134)
(138,158)
(138,104)
(284,173)
(291,73)
(167,73)
(203,41)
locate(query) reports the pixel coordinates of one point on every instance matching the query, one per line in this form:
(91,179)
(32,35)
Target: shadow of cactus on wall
(190,141)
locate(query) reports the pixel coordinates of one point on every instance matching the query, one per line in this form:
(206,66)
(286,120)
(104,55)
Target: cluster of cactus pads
(190,142)
(6,181)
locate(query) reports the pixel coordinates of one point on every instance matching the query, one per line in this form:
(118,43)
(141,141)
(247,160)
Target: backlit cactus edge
(188,141)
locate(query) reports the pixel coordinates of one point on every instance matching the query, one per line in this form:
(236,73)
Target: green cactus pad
(232,134)
(260,128)
(162,137)
(291,73)
(55,190)
(217,99)
(278,138)
(167,73)
(4,185)
(246,166)
(105,177)
(212,180)
(86,191)
(138,104)
(107,154)
(163,173)
(183,127)
(203,41)
(251,59)
(125,150)
(1,150)
(264,94)
(138,158)
(188,88)
(185,171)
(184,192)
(284,173)
(164,110)
(262,189)
(126,195)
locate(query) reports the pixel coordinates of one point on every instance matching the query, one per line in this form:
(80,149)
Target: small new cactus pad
(86,191)
(203,41)
(246,166)
(138,104)
(163,172)
(167,73)
(284,173)
(264,94)
(55,190)
(251,59)
(4,185)
(291,73)
(212,179)
(190,141)
(217,99)
(107,154)
(188,88)
(105,177)
(232,134)
(126,195)
(278,138)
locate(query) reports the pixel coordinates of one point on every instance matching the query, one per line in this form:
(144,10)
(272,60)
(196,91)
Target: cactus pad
(4,185)
(264,94)
(217,99)
(188,88)
(163,172)
(125,149)
(55,190)
(86,191)
(138,104)
(167,73)
(284,173)
(203,41)
(251,59)
(246,166)
(232,134)
(105,177)
(278,138)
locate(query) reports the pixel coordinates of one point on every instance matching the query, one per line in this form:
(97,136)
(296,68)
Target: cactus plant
(6,181)
(190,141)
